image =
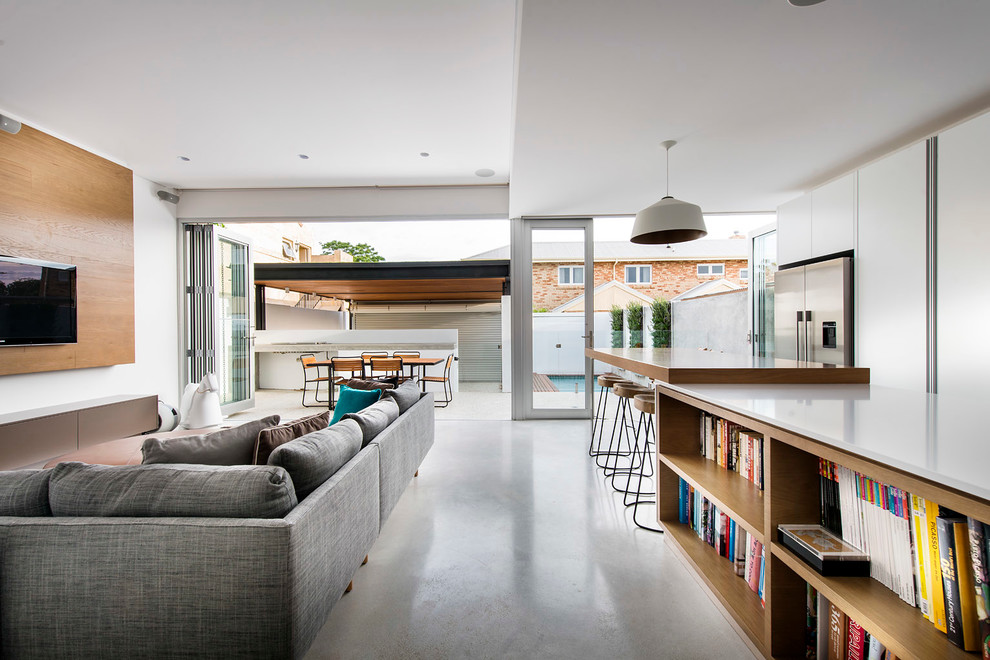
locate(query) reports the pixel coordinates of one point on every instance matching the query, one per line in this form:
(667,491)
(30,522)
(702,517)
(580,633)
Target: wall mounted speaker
(166,196)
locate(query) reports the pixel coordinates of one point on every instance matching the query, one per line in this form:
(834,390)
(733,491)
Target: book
(854,642)
(753,570)
(763,563)
(922,555)
(838,624)
(981,581)
(960,604)
(876,649)
(810,622)
(821,635)
(938,591)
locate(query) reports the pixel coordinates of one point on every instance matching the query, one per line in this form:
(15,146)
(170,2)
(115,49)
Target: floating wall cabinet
(833,217)
(963,248)
(818,223)
(794,230)
(890,278)
(791,495)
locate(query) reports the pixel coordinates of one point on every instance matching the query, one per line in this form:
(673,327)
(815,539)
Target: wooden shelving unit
(790,496)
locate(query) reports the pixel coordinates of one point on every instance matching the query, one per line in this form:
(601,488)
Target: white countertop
(940,438)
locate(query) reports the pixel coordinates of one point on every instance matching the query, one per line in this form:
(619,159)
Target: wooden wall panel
(61,203)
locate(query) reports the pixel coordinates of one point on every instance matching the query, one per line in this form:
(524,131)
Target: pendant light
(669,220)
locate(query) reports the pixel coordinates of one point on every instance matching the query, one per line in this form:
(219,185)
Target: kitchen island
(684,365)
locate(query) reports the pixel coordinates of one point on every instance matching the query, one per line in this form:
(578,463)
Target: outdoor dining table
(407,361)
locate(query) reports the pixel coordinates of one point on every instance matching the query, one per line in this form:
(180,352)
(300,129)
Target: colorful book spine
(960,605)
(922,550)
(854,642)
(732,447)
(981,580)
(683,502)
(876,649)
(838,624)
(937,583)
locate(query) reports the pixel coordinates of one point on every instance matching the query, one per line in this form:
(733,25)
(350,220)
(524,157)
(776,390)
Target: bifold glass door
(763,264)
(552,304)
(219,318)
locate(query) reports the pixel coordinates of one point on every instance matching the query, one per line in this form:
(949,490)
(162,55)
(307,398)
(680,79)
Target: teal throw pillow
(351,400)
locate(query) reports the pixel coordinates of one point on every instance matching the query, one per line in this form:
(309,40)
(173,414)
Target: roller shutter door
(479,337)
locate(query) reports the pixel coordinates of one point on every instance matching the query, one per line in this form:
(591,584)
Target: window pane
(630,274)
(744,273)
(702,269)
(718,269)
(565,275)
(578,275)
(644,274)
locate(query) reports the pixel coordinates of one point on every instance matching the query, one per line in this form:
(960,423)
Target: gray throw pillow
(315,457)
(24,493)
(162,491)
(405,395)
(374,418)
(233,446)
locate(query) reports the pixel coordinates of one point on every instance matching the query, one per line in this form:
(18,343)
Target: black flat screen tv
(37,302)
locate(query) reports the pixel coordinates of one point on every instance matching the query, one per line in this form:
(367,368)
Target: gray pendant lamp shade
(669,220)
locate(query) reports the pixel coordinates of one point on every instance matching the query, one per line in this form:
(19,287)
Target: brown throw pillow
(358,384)
(272,437)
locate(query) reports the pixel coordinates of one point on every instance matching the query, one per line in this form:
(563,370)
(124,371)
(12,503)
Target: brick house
(657,271)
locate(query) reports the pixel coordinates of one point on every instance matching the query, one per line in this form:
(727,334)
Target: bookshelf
(909,440)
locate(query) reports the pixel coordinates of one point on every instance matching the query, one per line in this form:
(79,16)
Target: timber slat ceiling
(383,282)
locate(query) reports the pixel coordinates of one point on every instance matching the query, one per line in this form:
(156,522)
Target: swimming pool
(567,383)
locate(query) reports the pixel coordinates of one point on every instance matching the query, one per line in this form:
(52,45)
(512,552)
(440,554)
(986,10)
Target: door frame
(522,316)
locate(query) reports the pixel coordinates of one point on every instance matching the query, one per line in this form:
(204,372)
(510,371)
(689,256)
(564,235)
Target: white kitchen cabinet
(833,216)
(963,251)
(890,280)
(794,230)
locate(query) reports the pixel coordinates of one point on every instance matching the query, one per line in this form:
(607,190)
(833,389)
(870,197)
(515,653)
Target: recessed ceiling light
(804,3)
(484,172)
(303,157)
(184,159)
(424,154)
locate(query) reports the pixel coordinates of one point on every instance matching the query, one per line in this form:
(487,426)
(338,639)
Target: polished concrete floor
(508,545)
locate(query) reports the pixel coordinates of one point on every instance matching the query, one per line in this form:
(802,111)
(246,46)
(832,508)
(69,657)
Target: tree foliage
(362,252)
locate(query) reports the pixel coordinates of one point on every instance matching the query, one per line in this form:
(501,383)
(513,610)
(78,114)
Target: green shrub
(616,313)
(635,320)
(660,309)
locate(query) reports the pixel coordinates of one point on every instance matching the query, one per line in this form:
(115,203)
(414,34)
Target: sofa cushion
(404,395)
(233,446)
(24,493)
(210,491)
(375,418)
(359,384)
(273,436)
(349,401)
(315,457)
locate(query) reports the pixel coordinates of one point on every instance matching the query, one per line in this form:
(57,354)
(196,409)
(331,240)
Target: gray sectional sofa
(73,584)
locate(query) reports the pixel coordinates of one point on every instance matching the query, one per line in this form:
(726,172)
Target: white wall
(714,322)
(283,317)
(156,367)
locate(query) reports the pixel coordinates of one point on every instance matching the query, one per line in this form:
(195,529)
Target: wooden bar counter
(682,365)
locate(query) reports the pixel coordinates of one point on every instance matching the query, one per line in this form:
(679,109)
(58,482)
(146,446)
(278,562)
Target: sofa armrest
(403,445)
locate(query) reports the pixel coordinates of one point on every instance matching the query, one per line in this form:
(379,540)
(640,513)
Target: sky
(450,240)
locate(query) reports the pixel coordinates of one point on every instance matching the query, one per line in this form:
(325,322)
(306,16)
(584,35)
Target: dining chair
(408,354)
(312,374)
(367,355)
(448,390)
(387,367)
(344,365)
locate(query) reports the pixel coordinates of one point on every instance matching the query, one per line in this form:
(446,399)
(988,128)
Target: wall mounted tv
(37,302)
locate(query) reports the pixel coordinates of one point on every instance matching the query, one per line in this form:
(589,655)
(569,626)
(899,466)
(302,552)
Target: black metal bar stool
(646,404)
(625,391)
(605,384)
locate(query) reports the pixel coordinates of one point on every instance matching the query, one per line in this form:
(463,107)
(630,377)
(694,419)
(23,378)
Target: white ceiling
(569,99)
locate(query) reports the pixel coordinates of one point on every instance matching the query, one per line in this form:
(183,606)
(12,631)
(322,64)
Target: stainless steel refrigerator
(813,312)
